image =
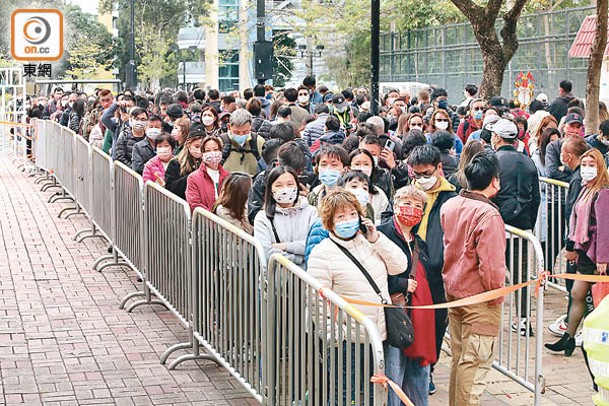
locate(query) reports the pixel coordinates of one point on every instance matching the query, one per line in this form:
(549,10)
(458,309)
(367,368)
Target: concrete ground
(63,339)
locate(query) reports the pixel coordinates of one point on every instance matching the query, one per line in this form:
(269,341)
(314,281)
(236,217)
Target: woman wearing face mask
(283,224)
(131,135)
(362,160)
(187,161)
(350,232)
(474,120)
(154,170)
(209,118)
(411,367)
(179,132)
(440,120)
(231,204)
(588,240)
(204,185)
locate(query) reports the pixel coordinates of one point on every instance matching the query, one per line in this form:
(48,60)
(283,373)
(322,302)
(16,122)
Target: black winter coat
(519,197)
(174,182)
(124,146)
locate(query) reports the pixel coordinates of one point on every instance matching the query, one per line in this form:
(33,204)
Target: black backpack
(228,147)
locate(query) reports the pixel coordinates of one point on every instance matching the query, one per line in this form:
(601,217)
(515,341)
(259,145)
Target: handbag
(401,299)
(400,333)
(599,291)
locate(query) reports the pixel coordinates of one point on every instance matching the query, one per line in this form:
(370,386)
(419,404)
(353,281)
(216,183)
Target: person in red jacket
(473,122)
(204,184)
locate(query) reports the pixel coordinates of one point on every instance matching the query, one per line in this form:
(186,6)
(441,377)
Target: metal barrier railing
(101,209)
(551,227)
(519,354)
(320,349)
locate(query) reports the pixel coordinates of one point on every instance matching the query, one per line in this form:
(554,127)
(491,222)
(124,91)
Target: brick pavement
(63,339)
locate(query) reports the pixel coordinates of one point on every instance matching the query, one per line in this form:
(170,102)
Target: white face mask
(365,169)
(303,99)
(286,195)
(427,183)
(207,120)
(362,196)
(153,132)
(588,173)
(441,125)
(376,160)
(164,153)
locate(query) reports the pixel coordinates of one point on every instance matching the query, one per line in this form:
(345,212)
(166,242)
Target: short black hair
(141,102)
(481,170)
(523,121)
(181,96)
(248,93)
(364,129)
(604,128)
(165,137)
(359,175)
(284,111)
(443,140)
(536,105)
(282,131)
(566,85)
(372,140)
(228,99)
(347,94)
(322,108)
(269,150)
(333,123)
(271,177)
(413,139)
(424,155)
(198,94)
(309,81)
(290,94)
(332,150)
(471,89)
(438,92)
(213,94)
(259,90)
(290,154)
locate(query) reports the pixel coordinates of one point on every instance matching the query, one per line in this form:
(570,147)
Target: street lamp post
(310,54)
(131,77)
(375,9)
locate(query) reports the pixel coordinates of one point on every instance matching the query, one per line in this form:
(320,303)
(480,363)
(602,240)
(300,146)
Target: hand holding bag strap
(362,269)
(415,260)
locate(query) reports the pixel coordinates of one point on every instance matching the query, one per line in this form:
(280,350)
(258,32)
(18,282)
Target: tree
(82,61)
(595,63)
(284,50)
(495,54)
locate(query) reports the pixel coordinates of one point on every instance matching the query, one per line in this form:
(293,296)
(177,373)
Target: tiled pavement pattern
(63,339)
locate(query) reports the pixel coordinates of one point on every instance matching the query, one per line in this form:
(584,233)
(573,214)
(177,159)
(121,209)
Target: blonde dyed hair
(333,202)
(602,178)
(410,192)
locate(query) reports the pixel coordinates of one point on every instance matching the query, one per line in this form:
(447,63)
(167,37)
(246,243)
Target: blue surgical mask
(329,177)
(346,229)
(478,114)
(239,139)
(443,104)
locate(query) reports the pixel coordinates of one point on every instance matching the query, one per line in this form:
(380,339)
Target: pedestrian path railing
(520,341)
(551,227)
(283,337)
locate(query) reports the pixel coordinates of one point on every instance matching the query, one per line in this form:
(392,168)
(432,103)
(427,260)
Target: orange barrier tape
(491,294)
(383,380)
(16,124)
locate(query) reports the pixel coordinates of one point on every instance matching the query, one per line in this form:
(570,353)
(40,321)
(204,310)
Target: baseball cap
(365,106)
(542,97)
(504,128)
(197,130)
(175,110)
(498,101)
(574,118)
(338,100)
(491,119)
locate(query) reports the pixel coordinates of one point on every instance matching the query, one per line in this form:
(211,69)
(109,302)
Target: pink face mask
(212,157)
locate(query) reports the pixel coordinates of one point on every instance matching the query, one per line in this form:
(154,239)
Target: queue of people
(408,206)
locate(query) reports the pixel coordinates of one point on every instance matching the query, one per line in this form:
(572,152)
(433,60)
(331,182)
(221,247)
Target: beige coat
(336,271)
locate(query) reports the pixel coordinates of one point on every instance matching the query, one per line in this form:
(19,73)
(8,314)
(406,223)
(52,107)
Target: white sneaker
(579,339)
(559,327)
(523,327)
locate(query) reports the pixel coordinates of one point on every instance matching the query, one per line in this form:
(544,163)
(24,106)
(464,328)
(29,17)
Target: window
(228,71)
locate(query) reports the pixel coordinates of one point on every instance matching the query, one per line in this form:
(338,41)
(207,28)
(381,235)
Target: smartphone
(363,228)
(390,145)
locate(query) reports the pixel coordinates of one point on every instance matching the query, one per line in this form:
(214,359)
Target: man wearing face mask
(425,162)
(600,141)
(51,107)
(304,99)
(472,224)
(554,168)
(342,111)
(298,114)
(241,147)
(135,132)
(144,150)
(518,201)
(473,122)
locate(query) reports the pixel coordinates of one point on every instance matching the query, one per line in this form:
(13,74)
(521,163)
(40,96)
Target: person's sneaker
(559,327)
(579,339)
(432,386)
(523,327)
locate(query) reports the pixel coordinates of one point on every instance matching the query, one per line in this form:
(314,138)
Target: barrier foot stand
(113,257)
(172,349)
(76,207)
(47,186)
(196,354)
(43,177)
(129,297)
(60,196)
(146,301)
(78,211)
(80,238)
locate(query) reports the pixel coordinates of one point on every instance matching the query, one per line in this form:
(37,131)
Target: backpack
(227,147)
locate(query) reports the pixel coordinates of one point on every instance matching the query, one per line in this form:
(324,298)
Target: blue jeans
(356,397)
(409,374)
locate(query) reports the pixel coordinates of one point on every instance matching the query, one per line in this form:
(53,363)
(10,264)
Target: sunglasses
(442,120)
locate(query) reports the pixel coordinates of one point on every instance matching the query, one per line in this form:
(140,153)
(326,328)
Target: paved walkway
(63,339)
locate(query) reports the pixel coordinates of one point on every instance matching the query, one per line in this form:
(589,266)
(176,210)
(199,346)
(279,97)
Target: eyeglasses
(441,120)
(416,124)
(417,175)
(478,109)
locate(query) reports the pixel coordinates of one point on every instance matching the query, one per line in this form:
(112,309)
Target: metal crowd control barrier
(519,356)
(551,227)
(64,171)
(320,349)
(227,299)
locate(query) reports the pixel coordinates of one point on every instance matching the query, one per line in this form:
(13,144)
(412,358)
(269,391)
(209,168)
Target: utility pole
(131,77)
(263,49)
(375,9)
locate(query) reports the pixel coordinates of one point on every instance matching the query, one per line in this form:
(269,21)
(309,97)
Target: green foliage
(284,49)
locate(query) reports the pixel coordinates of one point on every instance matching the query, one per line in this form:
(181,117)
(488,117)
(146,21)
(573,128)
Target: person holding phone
(344,217)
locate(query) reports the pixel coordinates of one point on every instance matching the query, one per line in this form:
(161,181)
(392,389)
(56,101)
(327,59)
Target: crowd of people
(407,206)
